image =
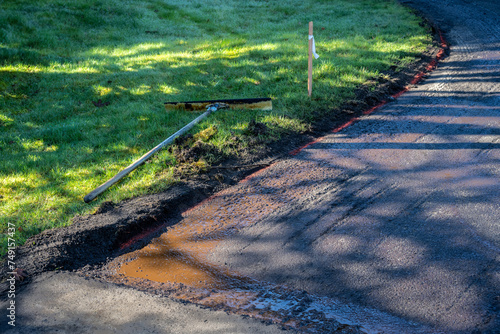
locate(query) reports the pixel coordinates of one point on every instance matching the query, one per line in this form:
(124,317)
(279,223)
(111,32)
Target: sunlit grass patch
(82,85)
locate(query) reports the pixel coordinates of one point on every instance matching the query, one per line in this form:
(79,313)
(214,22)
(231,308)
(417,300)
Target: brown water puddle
(178,256)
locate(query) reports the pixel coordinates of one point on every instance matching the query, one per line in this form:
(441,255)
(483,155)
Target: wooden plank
(256,103)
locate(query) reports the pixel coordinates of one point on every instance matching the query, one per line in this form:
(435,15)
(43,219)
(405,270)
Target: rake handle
(99,190)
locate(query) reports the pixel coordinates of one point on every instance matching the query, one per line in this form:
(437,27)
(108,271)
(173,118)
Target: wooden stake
(310,61)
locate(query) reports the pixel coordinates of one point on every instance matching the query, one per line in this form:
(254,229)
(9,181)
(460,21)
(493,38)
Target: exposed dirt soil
(95,239)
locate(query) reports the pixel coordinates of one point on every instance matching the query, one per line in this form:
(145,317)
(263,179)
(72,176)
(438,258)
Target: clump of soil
(105,207)
(256,128)
(199,150)
(192,148)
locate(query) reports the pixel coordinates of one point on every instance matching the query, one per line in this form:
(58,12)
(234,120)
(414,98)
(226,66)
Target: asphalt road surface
(388,225)
(400,211)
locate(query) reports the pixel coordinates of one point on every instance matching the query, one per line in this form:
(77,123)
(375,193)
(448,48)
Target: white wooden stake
(310,61)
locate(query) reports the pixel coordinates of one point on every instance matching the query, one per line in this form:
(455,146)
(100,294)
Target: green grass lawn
(59,58)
